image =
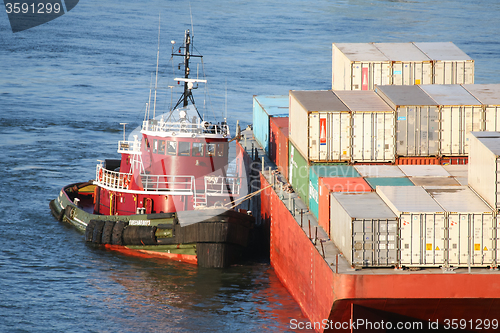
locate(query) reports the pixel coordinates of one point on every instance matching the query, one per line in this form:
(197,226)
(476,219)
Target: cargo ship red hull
(330,299)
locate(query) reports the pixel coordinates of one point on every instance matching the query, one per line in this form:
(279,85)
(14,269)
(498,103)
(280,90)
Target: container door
(397,73)
(454,222)
(386,243)
(483,239)
(357,75)
(409,72)
(405,146)
(338,133)
(453,135)
(411,239)
(491,118)
(465,242)
(469,72)
(358,136)
(434,239)
(314,136)
(363,245)
(426,74)
(383,133)
(459,72)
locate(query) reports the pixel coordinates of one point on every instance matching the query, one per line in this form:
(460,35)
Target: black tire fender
(89,230)
(117,233)
(97,235)
(107,232)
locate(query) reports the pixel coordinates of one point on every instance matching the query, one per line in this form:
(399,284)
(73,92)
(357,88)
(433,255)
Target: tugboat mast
(188,84)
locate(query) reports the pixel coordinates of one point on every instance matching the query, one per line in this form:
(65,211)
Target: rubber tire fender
(117,233)
(97,236)
(89,230)
(107,231)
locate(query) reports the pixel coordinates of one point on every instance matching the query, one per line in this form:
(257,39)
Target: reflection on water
(179,297)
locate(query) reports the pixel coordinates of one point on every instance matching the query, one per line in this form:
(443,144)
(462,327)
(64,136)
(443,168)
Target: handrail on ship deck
(173,184)
(129,147)
(180,185)
(185,127)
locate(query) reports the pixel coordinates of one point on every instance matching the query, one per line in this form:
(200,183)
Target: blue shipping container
(383,181)
(265,107)
(330,171)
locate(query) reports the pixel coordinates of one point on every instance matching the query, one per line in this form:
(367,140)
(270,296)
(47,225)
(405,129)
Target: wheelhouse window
(184,148)
(155,146)
(171,147)
(198,149)
(210,149)
(221,149)
(161,148)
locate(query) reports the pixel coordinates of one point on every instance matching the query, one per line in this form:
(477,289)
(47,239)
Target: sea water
(65,87)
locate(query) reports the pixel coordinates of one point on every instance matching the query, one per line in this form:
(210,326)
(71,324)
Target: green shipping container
(382,181)
(318,171)
(298,170)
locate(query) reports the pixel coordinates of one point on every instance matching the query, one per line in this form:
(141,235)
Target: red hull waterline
(187,258)
(427,299)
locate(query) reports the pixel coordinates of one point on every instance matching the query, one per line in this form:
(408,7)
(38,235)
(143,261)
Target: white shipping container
(434,181)
(459,172)
(422,225)
(379,170)
(359,66)
(489,96)
(409,65)
(367,236)
(417,120)
(450,64)
(320,126)
(471,227)
(460,113)
(484,166)
(424,171)
(372,126)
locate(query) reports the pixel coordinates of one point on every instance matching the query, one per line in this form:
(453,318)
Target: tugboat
(169,195)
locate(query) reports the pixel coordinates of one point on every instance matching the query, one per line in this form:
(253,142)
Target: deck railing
(181,185)
(185,127)
(129,147)
(215,185)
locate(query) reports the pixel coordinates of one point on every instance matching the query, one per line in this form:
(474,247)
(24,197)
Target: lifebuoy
(100,175)
(126,181)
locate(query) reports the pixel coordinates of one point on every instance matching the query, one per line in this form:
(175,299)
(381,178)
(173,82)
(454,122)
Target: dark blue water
(66,85)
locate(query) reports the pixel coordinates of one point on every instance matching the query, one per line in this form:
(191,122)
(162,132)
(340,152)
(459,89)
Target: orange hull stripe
(188,258)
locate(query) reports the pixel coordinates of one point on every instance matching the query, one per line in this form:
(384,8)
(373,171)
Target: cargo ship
(382,205)
(169,195)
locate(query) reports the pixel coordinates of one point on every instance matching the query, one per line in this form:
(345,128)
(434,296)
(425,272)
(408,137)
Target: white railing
(185,127)
(112,179)
(181,185)
(166,183)
(215,185)
(129,147)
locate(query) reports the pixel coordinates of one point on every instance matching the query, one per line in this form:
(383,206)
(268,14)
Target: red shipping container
(337,184)
(417,160)
(278,143)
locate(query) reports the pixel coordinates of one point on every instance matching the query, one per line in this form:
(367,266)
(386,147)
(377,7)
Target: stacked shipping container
(278,143)
(368,236)
(265,107)
(484,163)
(372,126)
(417,120)
(460,113)
(361,66)
(320,126)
